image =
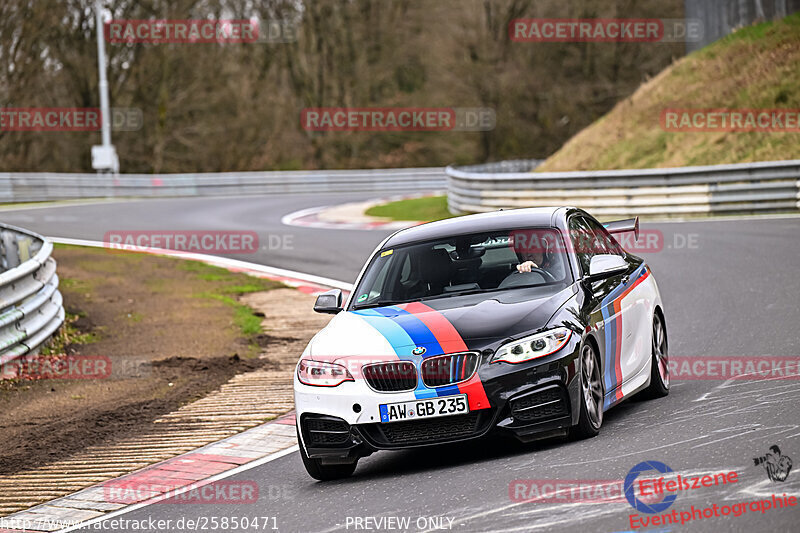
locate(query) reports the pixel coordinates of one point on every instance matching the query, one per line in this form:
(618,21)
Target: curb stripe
(231,450)
(247,466)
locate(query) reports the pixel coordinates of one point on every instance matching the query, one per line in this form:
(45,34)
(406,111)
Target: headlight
(318,374)
(533,347)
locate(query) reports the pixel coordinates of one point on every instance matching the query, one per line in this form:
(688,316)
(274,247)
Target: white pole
(101,67)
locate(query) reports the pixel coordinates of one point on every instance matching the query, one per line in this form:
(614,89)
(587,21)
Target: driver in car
(539,252)
(535,259)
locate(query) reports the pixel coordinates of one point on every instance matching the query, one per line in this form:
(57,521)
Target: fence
(763,187)
(31,307)
(32,187)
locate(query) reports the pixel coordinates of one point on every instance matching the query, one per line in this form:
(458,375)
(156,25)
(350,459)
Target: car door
(611,306)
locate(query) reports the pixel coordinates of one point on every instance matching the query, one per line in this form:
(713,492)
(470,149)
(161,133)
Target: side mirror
(606,265)
(329,302)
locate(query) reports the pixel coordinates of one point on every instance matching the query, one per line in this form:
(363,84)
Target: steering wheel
(545,274)
(519,278)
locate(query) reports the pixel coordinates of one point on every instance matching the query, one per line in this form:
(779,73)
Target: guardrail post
(10,250)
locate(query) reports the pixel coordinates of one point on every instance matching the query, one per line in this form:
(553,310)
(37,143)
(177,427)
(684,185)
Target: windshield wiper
(384,303)
(482,291)
(462,293)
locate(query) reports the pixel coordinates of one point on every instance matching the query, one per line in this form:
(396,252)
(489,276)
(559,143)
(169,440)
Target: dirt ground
(172,330)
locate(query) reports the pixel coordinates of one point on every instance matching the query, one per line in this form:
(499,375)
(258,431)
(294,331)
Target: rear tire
(591,396)
(659,367)
(322,472)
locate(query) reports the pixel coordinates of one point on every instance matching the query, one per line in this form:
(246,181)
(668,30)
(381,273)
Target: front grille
(392,376)
(542,405)
(433,430)
(326,431)
(449,369)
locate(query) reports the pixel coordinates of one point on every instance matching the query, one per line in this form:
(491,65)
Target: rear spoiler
(622,226)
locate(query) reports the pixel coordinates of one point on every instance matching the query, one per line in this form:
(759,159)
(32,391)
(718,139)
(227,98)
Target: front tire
(322,472)
(591,397)
(659,366)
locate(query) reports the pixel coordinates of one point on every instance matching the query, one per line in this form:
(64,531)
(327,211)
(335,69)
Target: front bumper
(530,400)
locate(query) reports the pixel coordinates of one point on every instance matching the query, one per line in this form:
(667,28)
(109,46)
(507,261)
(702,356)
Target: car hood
(444,325)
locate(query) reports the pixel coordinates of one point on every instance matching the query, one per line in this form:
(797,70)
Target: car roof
(496,220)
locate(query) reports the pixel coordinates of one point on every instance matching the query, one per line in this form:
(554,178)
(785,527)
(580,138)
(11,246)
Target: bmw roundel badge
(419,350)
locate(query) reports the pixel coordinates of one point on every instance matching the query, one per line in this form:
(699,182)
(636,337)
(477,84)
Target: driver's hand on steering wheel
(526,266)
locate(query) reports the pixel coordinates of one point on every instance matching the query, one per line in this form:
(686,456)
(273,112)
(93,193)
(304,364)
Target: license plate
(428,408)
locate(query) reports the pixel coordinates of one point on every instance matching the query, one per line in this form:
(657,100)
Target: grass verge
(171,331)
(425,209)
(226,287)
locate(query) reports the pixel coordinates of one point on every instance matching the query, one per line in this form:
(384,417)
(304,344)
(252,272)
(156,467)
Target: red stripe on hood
(451,342)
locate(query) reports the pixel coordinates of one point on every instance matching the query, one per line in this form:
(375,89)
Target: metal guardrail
(504,167)
(31,308)
(763,187)
(42,186)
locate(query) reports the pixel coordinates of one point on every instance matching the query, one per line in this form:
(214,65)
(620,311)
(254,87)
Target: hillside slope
(757,67)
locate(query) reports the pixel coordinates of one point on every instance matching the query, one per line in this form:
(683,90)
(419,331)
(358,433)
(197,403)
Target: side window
(608,244)
(582,242)
(586,241)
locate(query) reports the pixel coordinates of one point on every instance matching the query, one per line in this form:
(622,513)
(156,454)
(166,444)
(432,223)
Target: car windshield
(465,264)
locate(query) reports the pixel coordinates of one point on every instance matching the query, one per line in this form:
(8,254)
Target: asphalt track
(730,288)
